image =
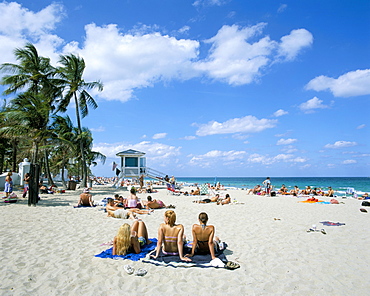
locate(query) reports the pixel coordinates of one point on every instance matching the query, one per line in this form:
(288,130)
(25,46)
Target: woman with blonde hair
(130,239)
(170,237)
(203,235)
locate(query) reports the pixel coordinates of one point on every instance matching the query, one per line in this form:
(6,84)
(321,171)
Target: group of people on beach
(171,239)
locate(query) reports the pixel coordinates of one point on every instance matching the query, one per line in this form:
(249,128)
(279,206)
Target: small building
(133,163)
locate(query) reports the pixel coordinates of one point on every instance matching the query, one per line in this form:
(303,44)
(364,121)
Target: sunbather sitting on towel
(117,212)
(170,237)
(203,234)
(86,199)
(130,239)
(225,201)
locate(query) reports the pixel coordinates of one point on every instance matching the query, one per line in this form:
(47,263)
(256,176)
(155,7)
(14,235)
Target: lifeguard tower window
(142,162)
(131,162)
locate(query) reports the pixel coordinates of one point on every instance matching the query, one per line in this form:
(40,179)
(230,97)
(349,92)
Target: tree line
(32,124)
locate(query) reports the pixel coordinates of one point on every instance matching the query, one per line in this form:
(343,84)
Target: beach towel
(202,261)
(131,256)
(328,223)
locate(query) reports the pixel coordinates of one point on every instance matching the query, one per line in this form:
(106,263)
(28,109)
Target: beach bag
(334,201)
(366,204)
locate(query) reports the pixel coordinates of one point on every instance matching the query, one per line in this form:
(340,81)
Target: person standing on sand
(267,184)
(8,186)
(26,180)
(141,181)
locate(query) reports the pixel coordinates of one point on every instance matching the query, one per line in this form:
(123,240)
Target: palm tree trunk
(83,164)
(47,168)
(14,155)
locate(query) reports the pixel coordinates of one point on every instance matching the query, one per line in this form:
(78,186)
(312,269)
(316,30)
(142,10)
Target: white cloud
(158,154)
(232,59)
(189,138)
(159,136)
(291,45)
(247,124)
(99,129)
(210,2)
(282,8)
(286,141)
(354,83)
(267,160)
(340,144)
(311,105)
(349,161)
(139,60)
(361,126)
(280,112)
(19,25)
(217,157)
(141,57)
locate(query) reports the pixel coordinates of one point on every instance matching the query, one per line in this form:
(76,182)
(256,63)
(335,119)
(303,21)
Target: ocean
(339,184)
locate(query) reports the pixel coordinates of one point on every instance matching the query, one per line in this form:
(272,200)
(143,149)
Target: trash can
(72,185)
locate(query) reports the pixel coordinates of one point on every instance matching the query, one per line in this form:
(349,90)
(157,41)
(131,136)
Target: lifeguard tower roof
(130,152)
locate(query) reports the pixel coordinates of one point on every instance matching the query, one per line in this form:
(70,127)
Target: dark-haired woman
(203,235)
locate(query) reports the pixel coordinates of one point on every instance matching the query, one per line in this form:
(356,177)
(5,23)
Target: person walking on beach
(26,180)
(8,186)
(267,184)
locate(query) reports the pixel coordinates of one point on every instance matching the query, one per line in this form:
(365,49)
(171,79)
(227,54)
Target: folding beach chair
(171,189)
(204,189)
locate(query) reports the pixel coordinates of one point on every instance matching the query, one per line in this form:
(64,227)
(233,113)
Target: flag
(114,165)
(117,172)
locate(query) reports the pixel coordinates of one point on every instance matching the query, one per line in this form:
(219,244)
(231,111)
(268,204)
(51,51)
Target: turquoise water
(339,184)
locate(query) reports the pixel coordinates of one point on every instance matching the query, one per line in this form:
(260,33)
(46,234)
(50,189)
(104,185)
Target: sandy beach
(49,249)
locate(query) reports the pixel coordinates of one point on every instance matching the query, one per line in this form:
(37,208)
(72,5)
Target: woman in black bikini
(203,234)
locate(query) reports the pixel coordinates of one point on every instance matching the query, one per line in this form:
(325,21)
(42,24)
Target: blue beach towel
(131,256)
(328,223)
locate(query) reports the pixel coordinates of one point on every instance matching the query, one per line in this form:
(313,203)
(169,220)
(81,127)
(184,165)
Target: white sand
(49,249)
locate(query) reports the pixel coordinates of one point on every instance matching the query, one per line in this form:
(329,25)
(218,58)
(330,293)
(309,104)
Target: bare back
(170,236)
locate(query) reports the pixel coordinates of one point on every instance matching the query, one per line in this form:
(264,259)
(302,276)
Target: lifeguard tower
(133,163)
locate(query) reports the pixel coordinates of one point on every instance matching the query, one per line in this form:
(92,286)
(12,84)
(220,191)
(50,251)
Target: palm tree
(71,75)
(33,71)
(34,74)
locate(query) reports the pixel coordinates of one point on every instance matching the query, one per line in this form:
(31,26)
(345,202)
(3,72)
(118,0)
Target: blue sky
(215,87)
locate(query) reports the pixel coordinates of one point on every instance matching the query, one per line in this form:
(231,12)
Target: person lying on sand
(225,201)
(85,199)
(118,212)
(208,200)
(203,234)
(130,239)
(170,237)
(195,192)
(255,190)
(154,204)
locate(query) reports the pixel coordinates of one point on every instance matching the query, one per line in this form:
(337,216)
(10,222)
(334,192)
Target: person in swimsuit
(154,203)
(132,200)
(203,235)
(170,237)
(86,199)
(130,239)
(8,186)
(224,201)
(118,212)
